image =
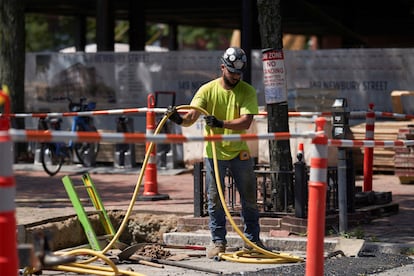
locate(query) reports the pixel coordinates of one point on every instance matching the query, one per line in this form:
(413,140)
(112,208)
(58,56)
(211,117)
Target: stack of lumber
(383,157)
(404,157)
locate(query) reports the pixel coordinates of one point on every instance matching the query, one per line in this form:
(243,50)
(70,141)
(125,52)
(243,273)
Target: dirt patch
(68,232)
(148,228)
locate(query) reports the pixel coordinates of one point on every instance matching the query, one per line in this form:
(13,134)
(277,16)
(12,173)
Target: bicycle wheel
(51,160)
(82,150)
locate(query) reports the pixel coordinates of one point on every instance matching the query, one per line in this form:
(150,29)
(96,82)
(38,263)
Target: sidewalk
(41,198)
(397,228)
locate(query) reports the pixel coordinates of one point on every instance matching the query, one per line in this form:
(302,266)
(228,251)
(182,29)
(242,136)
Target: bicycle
(54,155)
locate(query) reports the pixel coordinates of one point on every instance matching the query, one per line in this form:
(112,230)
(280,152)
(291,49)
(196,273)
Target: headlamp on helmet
(234,59)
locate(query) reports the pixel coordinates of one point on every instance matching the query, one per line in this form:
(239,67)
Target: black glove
(212,121)
(173,115)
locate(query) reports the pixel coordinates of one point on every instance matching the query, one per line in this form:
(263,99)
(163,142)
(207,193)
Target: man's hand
(173,115)
(213,121)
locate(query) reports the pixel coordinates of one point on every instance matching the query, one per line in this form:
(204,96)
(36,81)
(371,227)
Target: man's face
(230,79)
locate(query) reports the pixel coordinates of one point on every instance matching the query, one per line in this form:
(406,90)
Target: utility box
(124,154)
(341,130)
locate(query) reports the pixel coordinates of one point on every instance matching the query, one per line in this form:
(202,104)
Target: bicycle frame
(55,124)
(80,122)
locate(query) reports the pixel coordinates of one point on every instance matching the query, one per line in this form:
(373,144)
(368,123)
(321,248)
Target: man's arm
(241,123)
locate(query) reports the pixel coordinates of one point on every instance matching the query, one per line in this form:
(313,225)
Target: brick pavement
(40,196)
(396,228)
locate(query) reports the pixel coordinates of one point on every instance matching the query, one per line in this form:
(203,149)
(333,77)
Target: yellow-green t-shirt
(226,105)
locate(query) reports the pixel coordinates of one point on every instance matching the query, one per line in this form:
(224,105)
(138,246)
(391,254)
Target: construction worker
(231,104)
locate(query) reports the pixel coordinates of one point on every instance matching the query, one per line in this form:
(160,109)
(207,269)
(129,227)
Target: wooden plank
(396,100)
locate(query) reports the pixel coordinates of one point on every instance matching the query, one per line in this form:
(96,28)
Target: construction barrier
(317,182)
(369,116)
(370,143)
(317,202)
(353,114)
(369,152)
(140,110)
(20,135)
(8,238)
(86,113)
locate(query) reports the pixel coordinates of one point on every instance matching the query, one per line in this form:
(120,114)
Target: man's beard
(228,82)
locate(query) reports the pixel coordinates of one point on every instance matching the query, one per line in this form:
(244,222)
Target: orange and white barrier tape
(19,135)
(394,115)
(353,114)
(370,143)
(86,113)
(139,110)
(383,114)
(308,114)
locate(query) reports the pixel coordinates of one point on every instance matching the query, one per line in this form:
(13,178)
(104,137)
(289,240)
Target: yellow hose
(257,255)
(91,269)
(250,256)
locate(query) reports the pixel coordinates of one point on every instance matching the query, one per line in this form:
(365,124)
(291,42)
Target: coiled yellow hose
(257,255)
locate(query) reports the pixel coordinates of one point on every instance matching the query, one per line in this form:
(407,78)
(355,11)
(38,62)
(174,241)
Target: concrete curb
(234,240)
(390,248)
(288,244)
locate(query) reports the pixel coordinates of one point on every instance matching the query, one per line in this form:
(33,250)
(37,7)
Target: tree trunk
(12,56)
(280,158)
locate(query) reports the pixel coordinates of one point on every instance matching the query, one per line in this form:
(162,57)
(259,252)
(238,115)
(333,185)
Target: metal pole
(342,190)
(198,190)
(340,118)
(300,184)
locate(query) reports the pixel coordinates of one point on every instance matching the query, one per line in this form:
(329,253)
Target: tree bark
(270,22)
(12,56)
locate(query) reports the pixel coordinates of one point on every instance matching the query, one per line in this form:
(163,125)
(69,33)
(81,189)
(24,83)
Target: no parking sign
(274,79)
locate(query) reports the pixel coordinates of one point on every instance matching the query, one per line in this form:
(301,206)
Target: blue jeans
(245,180)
